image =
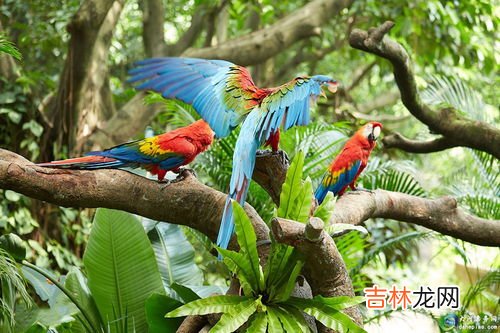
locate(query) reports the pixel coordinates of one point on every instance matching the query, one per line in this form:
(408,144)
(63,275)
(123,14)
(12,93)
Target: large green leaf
(291,187)
(297,315)
(325,210)
(214,304)
(329,316)
(121,269)
(302,205)
(258,323)
(236,316)
(339,228)
(157,305)
(289,321)
(76,283)
(248,243)
(13,244)
(239,264)
(273,322)
(174,255)
(285,290)
(276,262)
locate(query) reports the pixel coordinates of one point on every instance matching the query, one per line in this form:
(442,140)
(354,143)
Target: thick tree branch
(324,267)
(441,214)
(153,18)
(396,140)
(457,129)
(83,93)
(187,202)
(260,45)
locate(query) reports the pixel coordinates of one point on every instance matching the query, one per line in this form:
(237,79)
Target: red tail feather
(85,159)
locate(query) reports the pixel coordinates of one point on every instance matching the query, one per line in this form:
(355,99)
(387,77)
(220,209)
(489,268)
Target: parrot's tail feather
(226,227)
(320,193)
(87,162)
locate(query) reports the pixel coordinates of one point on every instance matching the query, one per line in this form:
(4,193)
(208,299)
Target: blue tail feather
(226,227)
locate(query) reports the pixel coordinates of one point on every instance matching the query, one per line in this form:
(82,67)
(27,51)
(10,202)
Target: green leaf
(174,255)
(289,322)
(276,262)
(76,283)
(185,293)
(239,264)
(302,205)
(121,269)
(12,196)
(236,316)
(291,186)
(340,302)
(213,304)
(43,287)
(14,245)
(286,289)
(297,315)
(258,323)
(337,228)
(9,48)
(327,315)
(325,210)
(274,324)
(156,307)
(248,243)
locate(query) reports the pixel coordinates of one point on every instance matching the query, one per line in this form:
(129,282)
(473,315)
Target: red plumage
(345,169)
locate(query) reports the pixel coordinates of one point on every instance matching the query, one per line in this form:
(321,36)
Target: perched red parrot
(158,154)
(346,167)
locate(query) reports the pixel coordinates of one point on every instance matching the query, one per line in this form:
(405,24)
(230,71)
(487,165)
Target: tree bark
(440,215)
(260,45)
(324,267)
(83,92)
(457,129)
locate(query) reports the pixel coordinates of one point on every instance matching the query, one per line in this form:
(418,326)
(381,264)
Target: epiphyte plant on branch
(158,154)
(225,95)
(265,302)
(347,166)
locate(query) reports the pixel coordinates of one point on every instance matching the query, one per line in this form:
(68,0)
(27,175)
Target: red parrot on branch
(158,154)
(348,165)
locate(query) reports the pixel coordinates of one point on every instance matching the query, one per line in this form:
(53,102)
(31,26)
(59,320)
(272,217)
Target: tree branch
(186,202)
(396,140)
(457,129)
(153,17)
(324,267)
(441,214)
(260,45)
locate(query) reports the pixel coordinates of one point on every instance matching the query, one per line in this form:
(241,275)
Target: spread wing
(221,92)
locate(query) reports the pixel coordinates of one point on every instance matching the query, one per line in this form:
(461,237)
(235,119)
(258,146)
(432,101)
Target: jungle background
(64,92)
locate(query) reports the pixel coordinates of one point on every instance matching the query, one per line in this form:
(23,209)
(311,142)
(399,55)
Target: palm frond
(489,280)
(453,92)
(392,176)
(12,285)
(9,48)
(409,239)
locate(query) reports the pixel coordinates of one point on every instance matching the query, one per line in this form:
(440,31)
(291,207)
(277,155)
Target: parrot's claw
(359,190)
(183,173)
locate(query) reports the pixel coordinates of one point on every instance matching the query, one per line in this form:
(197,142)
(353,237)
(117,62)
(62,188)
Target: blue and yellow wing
(337,180)
(218,90)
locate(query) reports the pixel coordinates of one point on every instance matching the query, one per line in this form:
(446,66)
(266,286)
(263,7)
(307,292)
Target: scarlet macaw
(225,95)
(158,154)
(346,167)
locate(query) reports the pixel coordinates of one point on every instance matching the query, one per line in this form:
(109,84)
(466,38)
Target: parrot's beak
(322,94)
(332,86)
